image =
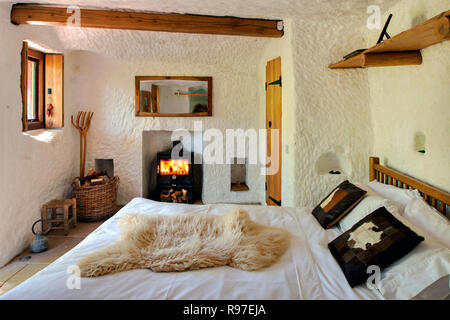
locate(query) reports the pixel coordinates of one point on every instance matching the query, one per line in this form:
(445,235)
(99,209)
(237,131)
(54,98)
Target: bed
(306,271)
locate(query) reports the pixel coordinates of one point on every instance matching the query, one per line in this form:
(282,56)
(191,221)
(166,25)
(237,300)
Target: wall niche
(419,142)
(238,175)
(332,163)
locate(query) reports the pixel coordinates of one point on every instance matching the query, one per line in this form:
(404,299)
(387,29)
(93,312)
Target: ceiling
(267,9)
(240,51)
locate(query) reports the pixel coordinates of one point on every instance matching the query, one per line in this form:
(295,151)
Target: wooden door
(155,99)
(273,122)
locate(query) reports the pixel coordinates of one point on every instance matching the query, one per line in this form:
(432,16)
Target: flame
(174,166)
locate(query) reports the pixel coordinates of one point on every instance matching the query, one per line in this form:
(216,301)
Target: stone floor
(18,270)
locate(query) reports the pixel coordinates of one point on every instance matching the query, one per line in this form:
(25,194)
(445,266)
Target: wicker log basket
(96,202)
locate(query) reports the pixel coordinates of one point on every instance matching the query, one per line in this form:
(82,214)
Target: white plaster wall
(152,142)
(332,107)
(323,110)
(146,86)
(171,103)
(34,167)
(283,48)
(408,99)
(102,80)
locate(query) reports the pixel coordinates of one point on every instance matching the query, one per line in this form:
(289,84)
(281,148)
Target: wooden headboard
(437,198)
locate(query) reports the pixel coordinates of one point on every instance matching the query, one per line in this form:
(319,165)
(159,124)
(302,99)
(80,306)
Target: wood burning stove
(174,175)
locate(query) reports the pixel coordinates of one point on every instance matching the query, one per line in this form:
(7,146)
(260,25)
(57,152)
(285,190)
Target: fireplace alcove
(160,143)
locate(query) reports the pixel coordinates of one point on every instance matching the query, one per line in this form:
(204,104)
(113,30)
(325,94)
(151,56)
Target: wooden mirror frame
(140,113)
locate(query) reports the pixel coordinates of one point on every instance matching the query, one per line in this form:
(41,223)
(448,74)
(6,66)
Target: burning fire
(174,166)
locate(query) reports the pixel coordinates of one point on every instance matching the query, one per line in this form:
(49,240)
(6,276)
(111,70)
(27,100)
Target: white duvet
(306,271)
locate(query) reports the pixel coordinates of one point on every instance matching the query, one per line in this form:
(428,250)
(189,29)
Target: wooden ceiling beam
(146,21)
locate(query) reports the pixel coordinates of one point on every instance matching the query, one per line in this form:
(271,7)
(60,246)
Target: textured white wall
(35,167)
(323,110)
(332,107)
(103,82)
(314,104)
(409,99)
(283,48)
(171,103)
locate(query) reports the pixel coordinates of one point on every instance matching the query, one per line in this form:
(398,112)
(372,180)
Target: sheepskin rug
(188,242)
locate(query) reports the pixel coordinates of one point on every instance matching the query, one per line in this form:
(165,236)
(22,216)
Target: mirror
(173,96)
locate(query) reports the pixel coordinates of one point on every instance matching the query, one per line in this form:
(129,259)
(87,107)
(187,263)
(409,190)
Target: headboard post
(372,171)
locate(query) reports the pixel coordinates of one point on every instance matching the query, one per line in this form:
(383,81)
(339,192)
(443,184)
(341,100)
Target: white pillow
(365,207)
(437,291)
(399,196)
(419,270)
(422,215)
(369,191)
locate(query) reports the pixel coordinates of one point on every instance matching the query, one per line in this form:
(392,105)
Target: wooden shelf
(404,48)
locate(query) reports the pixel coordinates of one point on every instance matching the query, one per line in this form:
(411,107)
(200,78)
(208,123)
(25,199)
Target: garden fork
(82,124)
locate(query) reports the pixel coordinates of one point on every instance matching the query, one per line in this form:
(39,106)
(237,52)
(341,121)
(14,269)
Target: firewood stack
(93,178)
(171,195)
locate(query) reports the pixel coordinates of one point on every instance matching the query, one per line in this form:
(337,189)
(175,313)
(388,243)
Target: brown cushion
(378,239)
(337,204)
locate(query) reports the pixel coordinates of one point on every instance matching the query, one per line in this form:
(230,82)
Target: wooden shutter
(54,90)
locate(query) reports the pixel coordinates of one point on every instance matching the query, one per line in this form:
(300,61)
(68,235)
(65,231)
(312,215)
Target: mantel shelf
(404,48)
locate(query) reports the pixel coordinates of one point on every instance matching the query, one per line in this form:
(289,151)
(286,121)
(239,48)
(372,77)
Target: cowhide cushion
(378,239)
(337,204)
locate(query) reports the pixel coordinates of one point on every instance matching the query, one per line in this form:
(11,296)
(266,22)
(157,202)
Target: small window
(33,92)
(42,89)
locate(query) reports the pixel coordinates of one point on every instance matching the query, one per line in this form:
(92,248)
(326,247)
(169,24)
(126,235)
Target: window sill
(43,135)
(38,126)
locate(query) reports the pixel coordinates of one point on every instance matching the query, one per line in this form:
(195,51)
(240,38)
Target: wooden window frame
(36,93)
(38,56)
(48,80)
